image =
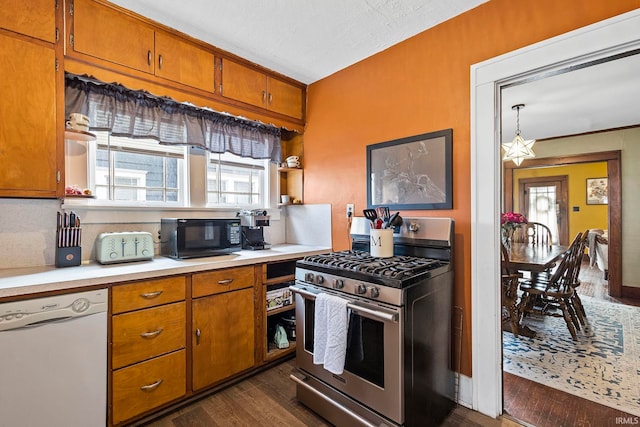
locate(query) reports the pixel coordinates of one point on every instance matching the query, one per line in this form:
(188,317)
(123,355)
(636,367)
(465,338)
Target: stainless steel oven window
(365,344)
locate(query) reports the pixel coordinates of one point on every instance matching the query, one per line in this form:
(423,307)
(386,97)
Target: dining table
(534,259)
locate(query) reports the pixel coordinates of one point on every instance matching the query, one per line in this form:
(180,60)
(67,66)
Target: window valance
(139,114)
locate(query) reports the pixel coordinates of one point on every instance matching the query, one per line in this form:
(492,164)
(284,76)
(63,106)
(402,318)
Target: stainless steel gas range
(397,368)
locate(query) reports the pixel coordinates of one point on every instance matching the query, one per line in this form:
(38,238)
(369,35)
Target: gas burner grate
(396,267)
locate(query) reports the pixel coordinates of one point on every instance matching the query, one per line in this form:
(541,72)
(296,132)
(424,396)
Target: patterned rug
(602,366)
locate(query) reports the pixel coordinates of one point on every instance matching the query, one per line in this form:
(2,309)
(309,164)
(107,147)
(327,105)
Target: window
(234,180)
(136,170)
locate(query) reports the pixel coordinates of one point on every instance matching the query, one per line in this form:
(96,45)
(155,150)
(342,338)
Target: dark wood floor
(269,399)
(542,406)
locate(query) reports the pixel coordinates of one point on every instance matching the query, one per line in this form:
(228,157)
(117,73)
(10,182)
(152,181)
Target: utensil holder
(381,242)
(69,256)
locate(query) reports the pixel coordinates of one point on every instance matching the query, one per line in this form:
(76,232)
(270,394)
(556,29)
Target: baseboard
(631,292)
(465,391)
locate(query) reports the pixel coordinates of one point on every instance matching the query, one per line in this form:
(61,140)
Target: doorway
(600,40)
(544,200)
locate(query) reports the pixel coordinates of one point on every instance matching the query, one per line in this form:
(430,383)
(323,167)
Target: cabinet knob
(264,95)
(197,336)
(270,98)
(149,57)
(160,62)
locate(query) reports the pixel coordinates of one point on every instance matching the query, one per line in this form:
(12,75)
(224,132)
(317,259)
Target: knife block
(69,256)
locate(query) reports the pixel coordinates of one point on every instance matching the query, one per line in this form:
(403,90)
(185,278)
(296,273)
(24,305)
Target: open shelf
(78,135)
(282,309)
(274,353)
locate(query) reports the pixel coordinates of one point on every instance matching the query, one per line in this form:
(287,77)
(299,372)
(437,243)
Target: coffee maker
(252,223)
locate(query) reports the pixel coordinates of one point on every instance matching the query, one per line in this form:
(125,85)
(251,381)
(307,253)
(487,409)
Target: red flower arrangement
(512,219)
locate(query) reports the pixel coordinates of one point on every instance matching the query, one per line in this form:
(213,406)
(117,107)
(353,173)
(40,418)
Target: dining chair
(553,294)
(533,233)
(510,280)
(575,277)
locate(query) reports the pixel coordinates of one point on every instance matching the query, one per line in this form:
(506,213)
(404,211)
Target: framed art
(411,173)
(597,191)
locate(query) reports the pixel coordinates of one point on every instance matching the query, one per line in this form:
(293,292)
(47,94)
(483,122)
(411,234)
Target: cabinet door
(34,18)
(111,35)
(183,62)
(284,98)
(223,336)
(244,84)
(28,137)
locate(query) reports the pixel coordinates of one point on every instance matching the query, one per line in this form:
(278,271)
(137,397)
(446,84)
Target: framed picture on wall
(597,191)
(411,173)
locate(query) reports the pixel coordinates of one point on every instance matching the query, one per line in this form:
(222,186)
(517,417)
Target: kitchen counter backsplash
(28,228)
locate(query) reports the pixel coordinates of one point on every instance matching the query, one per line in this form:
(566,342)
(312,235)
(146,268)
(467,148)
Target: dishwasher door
(53,361)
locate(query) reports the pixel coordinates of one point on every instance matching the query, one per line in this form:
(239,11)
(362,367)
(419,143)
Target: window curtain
(139,114)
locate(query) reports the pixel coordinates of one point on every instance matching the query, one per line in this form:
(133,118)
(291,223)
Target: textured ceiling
(303,39)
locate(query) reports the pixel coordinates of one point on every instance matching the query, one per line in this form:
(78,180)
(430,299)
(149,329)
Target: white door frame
(600,40)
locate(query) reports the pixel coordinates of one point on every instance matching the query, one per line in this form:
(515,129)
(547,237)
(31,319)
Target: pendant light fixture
(518,149)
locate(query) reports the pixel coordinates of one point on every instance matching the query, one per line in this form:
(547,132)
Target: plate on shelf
(78,135)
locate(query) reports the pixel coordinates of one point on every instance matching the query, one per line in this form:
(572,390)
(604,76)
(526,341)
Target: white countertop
(18,282)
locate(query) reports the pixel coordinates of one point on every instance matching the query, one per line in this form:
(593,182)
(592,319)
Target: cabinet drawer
(142,387)
(219,281)
(147,294)
(147,333)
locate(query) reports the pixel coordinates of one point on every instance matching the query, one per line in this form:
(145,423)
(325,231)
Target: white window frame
(137,146)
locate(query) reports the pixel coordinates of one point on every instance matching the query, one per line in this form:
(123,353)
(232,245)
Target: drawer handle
(151,387)
(225,281)
(151,295)
(151,334)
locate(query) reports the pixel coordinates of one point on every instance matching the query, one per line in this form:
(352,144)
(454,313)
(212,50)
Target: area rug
(603,365)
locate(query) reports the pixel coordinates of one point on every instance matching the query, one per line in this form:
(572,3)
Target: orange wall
(417,86)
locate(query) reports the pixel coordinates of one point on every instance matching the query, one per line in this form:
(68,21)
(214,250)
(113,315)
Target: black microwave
(193,238)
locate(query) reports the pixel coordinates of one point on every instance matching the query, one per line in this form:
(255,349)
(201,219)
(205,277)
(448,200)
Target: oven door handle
(389,317)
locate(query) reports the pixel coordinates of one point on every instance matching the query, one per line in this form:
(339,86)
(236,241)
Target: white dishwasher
(53,361)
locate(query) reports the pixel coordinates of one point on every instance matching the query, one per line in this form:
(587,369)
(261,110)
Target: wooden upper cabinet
(254,87)
(34,18)
(284,98)
(28,134)
(105,33)
(184,62)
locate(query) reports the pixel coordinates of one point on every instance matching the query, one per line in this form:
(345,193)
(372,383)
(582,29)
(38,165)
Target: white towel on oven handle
(331,323)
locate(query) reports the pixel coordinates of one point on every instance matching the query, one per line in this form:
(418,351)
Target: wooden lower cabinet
(223,336)
(147,385)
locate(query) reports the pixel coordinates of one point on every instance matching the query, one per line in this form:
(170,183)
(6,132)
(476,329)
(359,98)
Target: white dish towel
(330,332)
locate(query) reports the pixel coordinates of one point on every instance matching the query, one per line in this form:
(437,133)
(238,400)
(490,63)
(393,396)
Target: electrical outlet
(350,209)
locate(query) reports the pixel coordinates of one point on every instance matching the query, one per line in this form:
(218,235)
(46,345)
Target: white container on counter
(381,243)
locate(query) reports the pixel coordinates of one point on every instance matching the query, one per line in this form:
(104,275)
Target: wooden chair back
(533,233)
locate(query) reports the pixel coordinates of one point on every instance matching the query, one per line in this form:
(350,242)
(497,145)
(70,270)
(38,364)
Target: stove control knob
(361,289)
(414,227)
(319,279)
(338,283)
(374,292)
(308,277)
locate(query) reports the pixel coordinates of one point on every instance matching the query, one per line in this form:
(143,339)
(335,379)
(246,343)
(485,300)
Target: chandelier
(518,149)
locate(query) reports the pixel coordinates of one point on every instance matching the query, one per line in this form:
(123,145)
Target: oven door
(373,372)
